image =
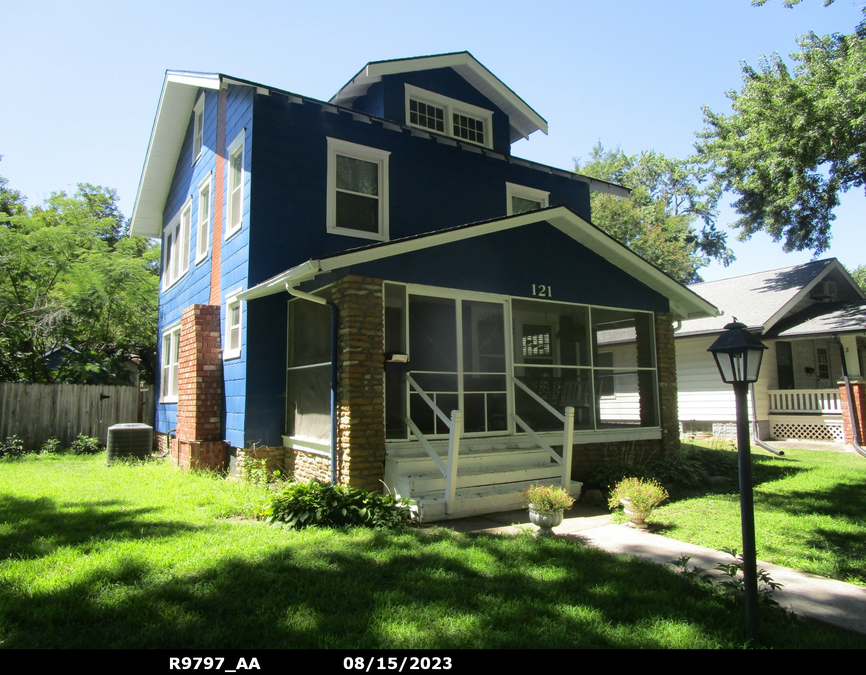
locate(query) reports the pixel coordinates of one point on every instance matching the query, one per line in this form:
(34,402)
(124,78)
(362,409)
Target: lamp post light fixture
(738,356)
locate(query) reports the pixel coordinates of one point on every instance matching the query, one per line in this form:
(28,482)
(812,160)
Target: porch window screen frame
(342,194)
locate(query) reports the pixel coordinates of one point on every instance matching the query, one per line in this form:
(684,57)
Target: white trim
(376,156)
(451,107)
(198,128)
(203,228)
(168,366)
(176,251)
(235,192)
(232,301)
(524,192)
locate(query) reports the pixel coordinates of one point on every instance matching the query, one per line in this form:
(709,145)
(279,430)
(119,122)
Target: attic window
(434,112)
(521,199)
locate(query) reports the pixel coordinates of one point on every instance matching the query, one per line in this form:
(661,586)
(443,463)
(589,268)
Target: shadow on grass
(32,528)
(362,589)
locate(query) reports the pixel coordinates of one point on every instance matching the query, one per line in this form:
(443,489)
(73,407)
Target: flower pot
(544,521)
(636,517)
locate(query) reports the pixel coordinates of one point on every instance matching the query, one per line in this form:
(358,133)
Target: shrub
(681,469)
(311,504)
(547,498)
(86,445)
(605,476)
(642,494)
(12,447)
(51,446)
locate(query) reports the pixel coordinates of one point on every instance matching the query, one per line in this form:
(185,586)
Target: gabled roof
(683,301)
(523,119)
(763,299)
(835,318)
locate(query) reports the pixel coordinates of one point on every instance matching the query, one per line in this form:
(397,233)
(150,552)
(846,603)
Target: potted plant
(546,505)
(637,496)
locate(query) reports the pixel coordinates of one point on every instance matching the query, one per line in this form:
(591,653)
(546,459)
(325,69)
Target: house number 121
(540,291)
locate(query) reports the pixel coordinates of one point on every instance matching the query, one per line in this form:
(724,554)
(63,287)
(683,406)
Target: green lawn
(146,556)
(809,513)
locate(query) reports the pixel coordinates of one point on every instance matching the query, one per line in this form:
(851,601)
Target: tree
(859,275)
(71,280)
(794,139)
(658,221)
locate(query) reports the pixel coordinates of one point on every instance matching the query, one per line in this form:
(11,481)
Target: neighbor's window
(169,361)
(357,190)
(236,186)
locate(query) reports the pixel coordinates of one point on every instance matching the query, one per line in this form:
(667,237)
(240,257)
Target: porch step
(480,500)
(476,476)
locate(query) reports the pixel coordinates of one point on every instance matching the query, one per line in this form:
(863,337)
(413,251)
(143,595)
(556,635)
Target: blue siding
(266,370)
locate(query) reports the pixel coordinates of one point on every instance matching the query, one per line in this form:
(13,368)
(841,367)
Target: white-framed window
(357,190)
(198,128)
(169,364)
(522,199)
(202,242)
(441,114)
(234,321)
(235,210)
(176,246)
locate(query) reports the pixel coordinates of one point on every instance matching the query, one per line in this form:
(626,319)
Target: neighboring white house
(811,317)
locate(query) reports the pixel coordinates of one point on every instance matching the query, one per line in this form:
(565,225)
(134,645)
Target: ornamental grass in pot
(546,505)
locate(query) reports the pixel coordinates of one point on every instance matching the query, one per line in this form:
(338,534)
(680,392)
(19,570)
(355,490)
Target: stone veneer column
(200,390)
(666,363)
(858,389)
(361,394)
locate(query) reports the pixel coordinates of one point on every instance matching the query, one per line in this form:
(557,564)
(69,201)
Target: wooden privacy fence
(38,411)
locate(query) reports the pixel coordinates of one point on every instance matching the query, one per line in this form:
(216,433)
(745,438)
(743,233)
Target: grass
(145,556)
(808,511)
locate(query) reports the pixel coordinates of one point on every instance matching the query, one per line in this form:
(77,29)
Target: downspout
(755,437)
(335,316)
(855,427)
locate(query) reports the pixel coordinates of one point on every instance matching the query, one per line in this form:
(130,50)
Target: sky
(82,79)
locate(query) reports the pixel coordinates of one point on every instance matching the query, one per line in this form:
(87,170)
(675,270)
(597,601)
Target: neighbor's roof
(522,118)
(684,302)
(758,300)
(847,317)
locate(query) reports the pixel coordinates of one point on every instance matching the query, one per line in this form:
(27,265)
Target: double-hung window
(203,229)
(357,190)
(232,349)
(522,199)
(235,210)
(176,247)
(441,114)
(169,363)
(198,128)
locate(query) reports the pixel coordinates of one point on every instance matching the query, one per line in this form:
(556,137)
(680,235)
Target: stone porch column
(666,363)
(858,389)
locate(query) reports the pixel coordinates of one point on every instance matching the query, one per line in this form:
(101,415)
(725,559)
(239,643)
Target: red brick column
(361,405)
(858,389)
(200,390)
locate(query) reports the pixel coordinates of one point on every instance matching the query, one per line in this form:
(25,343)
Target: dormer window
(440,114)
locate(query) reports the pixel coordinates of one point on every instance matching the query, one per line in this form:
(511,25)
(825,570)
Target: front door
(457,355)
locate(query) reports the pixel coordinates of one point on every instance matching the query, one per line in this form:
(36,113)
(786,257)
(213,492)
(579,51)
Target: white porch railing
(805,401)
(567,434)
(455,431)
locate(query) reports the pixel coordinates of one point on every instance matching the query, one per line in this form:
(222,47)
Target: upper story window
(176,247)
(235,210)
(198,128)
(434,112)
(357,190)
(522,199)
(203,229)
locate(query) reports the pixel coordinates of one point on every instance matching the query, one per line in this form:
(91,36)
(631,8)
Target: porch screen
(308,382)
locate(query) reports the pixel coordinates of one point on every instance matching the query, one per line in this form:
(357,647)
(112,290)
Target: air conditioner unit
(129,440)
(824,291)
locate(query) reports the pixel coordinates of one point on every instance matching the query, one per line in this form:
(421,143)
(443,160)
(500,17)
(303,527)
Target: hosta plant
(547,498)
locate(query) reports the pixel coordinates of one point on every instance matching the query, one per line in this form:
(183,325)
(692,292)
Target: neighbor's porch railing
(805,401)
(455,431)
(567,434)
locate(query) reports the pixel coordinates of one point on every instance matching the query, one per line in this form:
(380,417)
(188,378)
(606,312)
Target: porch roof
(849,317)
(684,303)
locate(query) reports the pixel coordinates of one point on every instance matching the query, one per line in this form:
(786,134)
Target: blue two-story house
(373,289)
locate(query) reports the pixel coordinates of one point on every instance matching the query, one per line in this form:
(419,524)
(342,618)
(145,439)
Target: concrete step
(431,480)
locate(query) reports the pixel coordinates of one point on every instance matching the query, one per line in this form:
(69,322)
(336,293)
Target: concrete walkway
(827,600)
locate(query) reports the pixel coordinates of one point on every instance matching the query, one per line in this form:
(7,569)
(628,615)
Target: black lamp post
(738,356)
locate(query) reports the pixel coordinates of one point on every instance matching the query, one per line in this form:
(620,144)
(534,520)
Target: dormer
(450,95)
